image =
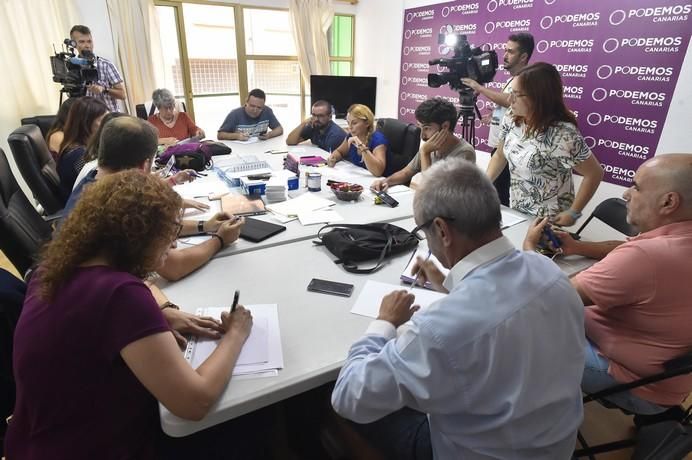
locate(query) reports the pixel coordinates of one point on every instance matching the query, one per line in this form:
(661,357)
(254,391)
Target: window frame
(243,57)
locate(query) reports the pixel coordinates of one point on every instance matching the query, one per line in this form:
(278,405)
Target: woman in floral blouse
(541,142)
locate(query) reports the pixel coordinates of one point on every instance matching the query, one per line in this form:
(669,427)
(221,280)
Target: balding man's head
(126,143)
(662,192)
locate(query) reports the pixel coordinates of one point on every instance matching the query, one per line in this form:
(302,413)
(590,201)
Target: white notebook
(262,350)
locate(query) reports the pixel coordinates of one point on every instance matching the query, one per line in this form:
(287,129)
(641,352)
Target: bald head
(126,143)
(673,173)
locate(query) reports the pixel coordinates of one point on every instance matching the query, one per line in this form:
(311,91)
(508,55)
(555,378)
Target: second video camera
(467,62)
(74,72)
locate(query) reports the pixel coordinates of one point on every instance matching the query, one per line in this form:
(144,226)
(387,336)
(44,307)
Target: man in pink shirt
(638,307)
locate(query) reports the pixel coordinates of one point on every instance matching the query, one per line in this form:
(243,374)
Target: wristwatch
(574,214)
(200,226)
(169,304)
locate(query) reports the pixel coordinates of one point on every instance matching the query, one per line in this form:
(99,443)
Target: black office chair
(404,140)
(22,230)
(148,109)
(44,122)
(613,212)
(12,292)
(670,431)
(37,167)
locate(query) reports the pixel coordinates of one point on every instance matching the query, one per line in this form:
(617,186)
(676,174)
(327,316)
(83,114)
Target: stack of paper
(262,350)
(305,203)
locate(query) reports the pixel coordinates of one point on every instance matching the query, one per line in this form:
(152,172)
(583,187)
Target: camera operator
(110,85)
(518,51)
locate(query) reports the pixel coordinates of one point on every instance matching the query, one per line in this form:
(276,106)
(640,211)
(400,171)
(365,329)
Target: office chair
(44,122)
(22,230)
(37,167)
(404,140)
(669,431)
(613,212)
(148,109)
(12,292)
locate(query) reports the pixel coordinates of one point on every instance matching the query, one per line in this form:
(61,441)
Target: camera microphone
(70,43)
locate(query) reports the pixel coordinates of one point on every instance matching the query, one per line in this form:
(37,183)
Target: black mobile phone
(330,287)
(386,199)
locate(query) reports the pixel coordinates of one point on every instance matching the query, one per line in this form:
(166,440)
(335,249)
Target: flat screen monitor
(343,91)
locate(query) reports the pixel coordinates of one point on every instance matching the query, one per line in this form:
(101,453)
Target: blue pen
(548,232)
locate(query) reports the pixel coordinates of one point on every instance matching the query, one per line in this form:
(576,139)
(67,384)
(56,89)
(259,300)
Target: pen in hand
(235,300)
(420,269)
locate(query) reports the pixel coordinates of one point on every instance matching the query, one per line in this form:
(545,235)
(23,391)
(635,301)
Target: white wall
(378,53)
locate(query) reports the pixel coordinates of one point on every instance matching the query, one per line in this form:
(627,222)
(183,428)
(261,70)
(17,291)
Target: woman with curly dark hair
(92,350)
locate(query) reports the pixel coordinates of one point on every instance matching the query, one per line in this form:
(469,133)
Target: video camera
(467,62)
(73,72)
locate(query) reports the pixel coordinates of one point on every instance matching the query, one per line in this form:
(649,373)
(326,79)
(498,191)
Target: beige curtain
(310,21)
(138,53)
(28,31)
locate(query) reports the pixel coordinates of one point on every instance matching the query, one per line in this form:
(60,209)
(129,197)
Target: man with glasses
(254,119)
(319,128)
(518,50)
(493,369)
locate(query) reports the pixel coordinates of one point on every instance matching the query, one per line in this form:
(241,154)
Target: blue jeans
(402,435)
(596,378)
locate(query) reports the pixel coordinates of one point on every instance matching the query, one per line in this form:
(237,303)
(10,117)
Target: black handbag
(353,243)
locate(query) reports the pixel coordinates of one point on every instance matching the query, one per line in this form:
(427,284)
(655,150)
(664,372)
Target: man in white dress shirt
(492,370)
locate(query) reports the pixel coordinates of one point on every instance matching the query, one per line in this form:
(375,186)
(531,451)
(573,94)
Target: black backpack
(353,243)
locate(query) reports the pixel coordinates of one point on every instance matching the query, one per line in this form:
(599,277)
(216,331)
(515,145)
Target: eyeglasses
(418,231)
(516,94)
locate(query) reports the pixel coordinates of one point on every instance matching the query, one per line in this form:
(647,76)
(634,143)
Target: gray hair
(162,98)
(456,188)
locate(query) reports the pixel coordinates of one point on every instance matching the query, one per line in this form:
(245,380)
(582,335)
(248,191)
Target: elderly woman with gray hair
(173,125)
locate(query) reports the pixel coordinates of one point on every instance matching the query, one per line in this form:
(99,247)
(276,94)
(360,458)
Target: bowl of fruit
(346,191)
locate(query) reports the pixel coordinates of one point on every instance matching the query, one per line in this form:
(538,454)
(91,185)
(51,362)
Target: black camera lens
(435,80)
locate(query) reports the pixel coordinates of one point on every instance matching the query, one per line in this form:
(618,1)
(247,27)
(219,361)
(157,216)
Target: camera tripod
(467,114)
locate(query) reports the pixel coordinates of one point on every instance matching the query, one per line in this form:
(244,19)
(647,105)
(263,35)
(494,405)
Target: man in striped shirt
(110,86)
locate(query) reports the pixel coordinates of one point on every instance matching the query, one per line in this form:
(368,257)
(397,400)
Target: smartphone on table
(330,287)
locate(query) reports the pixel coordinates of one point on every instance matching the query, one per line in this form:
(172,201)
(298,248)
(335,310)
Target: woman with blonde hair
(92,351)
(364,146)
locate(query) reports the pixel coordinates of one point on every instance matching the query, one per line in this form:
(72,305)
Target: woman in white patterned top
(540,140)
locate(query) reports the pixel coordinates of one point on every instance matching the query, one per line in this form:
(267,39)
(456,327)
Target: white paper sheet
(253,358)
(509,219)
(302,204)
(319,217)
(368,302)
(408,275)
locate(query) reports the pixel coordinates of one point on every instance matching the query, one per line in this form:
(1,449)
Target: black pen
(235,300)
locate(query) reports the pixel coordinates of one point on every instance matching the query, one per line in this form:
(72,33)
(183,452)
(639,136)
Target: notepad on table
(262,350)
(409,275)
(243,205)
(370,297)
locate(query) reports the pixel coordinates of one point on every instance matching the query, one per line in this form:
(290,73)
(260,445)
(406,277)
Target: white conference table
(316,329)
(355,212)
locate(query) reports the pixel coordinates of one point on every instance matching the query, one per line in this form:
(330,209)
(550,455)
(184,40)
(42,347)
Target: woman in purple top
(92,350)
(364,147)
